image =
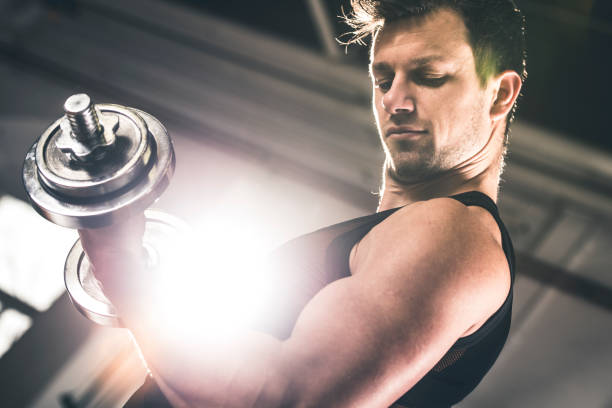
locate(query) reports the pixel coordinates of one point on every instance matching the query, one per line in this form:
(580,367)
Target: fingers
(114,248)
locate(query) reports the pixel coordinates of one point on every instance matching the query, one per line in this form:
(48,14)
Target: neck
(480,172)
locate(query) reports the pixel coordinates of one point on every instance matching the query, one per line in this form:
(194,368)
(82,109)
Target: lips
(404,132)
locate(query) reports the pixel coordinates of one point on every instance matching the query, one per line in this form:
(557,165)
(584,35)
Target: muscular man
(410,305)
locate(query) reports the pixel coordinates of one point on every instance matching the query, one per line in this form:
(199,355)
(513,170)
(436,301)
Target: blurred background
(272,126)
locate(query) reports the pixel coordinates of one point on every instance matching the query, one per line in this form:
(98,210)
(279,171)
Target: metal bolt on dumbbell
(82,134)
(95,166)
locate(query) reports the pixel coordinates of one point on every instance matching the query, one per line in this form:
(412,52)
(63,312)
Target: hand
(116,253)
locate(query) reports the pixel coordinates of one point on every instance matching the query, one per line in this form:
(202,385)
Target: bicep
(355,345)
(367,339)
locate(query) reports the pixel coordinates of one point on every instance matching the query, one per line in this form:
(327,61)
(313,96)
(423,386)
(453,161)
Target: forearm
(192,365)
(245,372)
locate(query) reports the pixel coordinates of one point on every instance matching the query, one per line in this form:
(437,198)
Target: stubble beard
(417,161)
(413,161)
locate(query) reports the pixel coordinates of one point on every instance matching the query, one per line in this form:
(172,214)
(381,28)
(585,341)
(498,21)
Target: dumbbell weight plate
(117,189)
(131,155)
(162,232)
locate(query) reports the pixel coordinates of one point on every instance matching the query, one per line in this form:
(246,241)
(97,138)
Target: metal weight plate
(66,177)
(123,184)
(162,232)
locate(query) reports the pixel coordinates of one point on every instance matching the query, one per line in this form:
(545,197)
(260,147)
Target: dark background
(569,55)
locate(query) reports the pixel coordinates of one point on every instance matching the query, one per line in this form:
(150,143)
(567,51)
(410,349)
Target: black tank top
(305,265)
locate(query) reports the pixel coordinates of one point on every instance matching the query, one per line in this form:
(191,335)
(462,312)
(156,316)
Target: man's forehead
(416,62)
(428,38)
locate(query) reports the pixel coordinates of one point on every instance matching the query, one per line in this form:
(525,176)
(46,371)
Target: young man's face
(431,111)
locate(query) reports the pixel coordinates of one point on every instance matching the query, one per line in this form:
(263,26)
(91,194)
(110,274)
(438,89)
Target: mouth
(404,132)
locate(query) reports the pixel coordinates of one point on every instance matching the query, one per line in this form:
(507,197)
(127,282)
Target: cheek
(439,107)
(454,107)
(377,108)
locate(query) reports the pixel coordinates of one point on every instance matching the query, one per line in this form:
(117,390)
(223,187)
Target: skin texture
(417,284)
(425,80)
(425,85)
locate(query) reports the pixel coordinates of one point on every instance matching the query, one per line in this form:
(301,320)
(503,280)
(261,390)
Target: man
(411,305)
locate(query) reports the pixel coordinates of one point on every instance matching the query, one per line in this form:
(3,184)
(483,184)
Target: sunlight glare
(211,283)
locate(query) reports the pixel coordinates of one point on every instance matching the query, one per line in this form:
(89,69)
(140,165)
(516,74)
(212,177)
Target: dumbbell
(95,166)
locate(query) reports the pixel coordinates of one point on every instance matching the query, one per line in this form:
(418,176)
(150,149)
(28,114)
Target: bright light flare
(211,283)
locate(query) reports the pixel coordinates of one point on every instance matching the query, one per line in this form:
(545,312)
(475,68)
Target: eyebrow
(417,62)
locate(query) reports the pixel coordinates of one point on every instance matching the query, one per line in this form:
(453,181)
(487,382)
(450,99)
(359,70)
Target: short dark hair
(496,30)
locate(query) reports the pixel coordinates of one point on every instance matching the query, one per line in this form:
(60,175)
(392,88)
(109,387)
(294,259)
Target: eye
(384,84)
(432,81)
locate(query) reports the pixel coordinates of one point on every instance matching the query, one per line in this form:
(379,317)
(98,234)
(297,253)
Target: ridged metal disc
(79,202)
(124,163)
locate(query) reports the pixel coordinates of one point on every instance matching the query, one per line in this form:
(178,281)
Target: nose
(398,99)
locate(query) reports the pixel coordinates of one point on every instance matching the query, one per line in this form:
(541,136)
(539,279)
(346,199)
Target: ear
(508,88)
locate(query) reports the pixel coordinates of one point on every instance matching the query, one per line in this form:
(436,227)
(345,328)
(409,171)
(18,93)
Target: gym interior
(273,134)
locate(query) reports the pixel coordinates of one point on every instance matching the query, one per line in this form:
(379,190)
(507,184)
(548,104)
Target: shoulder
(436,225)
(442,249)
(436,213)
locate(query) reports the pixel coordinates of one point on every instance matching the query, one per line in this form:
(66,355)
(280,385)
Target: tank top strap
(480,199)
(477,198)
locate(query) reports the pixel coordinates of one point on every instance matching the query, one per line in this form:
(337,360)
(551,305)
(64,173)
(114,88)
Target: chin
(411,172)
(410,166)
